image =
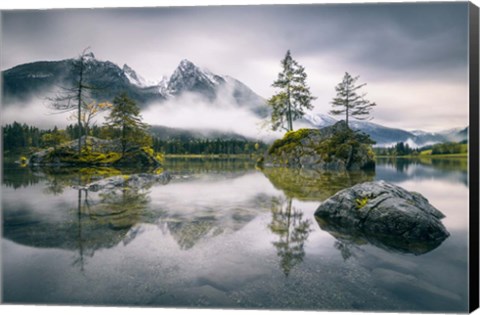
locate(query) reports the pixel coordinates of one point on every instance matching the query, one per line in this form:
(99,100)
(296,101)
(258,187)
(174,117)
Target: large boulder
(383,213)
(335,148)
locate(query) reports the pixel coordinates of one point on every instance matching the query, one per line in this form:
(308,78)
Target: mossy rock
(384,215)
(98,152)
(333,148)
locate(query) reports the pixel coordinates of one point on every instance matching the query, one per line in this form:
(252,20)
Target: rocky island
(96,152)
(336,148)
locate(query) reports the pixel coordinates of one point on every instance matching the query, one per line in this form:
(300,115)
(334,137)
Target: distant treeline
(22,138)
(207,146)
(402,149)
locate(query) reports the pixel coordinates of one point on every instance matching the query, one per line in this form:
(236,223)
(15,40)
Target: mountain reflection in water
(224,234)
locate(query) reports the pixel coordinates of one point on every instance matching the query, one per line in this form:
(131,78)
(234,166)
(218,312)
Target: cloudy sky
(413,56)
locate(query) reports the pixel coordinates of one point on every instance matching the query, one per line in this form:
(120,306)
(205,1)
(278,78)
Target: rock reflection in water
(348,239)
(313,185)
(292,231)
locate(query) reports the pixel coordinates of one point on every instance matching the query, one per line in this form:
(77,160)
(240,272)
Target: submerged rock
(385,215)
(336,148)
(137,181)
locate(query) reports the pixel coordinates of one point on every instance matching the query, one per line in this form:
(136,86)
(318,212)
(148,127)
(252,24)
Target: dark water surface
(223,234)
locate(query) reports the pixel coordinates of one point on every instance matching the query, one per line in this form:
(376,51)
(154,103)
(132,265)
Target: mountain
(38,80)
(188,78)
(136,79)
(385,136)
(455,134)
(44,78)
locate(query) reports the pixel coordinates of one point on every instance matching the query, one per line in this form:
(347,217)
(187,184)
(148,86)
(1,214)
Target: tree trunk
(79,96)
(347,117)
(124,142)
(289,113)
(347,106)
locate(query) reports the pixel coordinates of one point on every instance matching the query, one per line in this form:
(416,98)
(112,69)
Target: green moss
(361,202)
(111,157)
(100,171)
(148,150)
(289,140)
(330,145)
(158,170)
(65,155)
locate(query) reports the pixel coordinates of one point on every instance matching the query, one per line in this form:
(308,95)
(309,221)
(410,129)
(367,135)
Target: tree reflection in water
(292,231)
(111,217)
(313,185)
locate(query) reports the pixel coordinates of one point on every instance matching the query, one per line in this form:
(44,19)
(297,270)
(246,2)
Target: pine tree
(351,103)
(294,96)
(125,121)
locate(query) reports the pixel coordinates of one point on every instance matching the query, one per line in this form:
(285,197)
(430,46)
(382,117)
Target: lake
(224,234)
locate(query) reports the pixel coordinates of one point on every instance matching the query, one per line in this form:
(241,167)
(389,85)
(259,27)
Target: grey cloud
(416,43)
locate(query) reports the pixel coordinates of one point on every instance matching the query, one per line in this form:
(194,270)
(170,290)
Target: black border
(474,157)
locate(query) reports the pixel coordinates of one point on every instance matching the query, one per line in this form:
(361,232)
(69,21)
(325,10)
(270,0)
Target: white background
(54,310)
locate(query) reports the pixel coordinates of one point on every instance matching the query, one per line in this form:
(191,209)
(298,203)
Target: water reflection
(311,185)
(402,169)
(348,238)
(186,210)
(292,231)
(223,235)
(208,165)
(22,176)
(94,223)
(187,233)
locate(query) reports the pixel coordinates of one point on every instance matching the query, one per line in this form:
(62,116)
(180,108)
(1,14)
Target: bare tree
(90,111)
(76,96)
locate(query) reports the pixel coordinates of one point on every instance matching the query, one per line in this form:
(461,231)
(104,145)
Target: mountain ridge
(387,136)
(34,78)
(42,77)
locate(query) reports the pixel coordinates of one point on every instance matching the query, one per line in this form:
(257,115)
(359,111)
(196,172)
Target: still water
(224,234)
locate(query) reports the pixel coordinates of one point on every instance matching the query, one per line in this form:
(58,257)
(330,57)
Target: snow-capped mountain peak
(320,120)
(135,79)
(188,77)
(186,65)
(132,76)
(215,79)
(163,85)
